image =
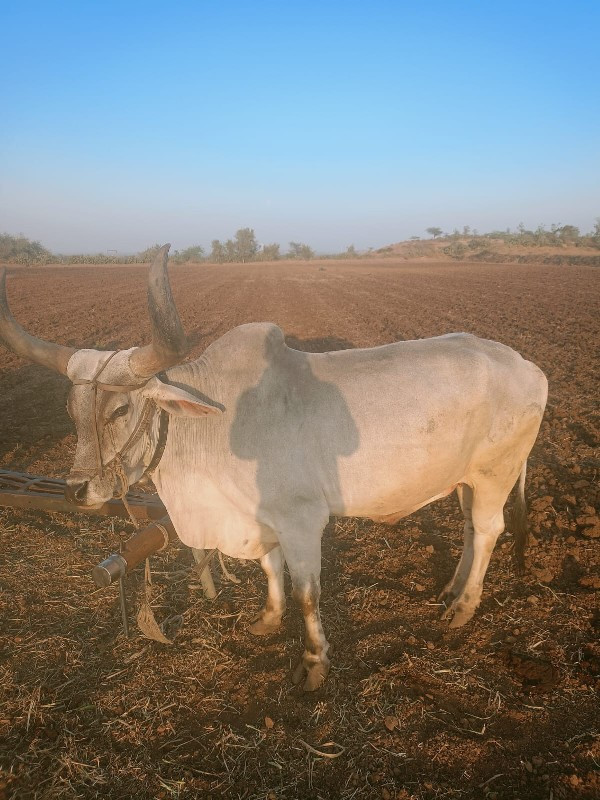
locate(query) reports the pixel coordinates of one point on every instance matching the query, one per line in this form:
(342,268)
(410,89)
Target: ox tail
(519,523)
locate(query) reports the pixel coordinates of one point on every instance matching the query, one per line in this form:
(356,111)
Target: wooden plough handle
(144,543)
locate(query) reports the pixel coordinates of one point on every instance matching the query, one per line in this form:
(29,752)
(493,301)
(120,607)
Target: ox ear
(177,401)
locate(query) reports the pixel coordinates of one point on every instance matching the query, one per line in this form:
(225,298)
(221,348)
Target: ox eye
(119,412)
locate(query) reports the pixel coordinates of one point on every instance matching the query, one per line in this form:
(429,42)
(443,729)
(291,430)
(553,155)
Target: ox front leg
(303,556)
(268,619)
(314,663)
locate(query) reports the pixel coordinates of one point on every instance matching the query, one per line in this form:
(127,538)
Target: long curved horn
(169,345)
(54,356)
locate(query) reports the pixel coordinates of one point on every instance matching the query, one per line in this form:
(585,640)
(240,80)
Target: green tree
(300,251)
(194,253)
(246,246)
(569,233)
(149,253)
(21,250)
(351,252)
(435,232)
(217,252)
(231,253)
(270,252)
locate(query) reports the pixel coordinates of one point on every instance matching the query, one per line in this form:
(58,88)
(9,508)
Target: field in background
(503,708)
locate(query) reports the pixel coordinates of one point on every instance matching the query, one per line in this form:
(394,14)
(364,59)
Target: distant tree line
(558,234)
(244,247)
(20,250)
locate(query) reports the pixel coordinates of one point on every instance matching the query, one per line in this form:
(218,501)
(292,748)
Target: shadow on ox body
(265,442)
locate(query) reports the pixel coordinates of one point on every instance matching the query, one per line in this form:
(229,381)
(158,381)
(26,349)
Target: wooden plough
(36,492)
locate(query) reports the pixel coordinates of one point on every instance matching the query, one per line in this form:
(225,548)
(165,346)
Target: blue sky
(129,123)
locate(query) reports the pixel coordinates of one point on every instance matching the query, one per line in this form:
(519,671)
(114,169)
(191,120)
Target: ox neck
(146,425)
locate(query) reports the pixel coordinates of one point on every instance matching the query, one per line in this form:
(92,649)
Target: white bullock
(254,445)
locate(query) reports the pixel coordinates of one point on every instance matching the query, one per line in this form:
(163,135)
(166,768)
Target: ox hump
(261,340)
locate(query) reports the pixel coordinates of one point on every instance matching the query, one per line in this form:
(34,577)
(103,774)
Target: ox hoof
(315,674)
(451,591)
(458,614)
(262,626)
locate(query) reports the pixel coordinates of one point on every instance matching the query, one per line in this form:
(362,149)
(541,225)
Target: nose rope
(145,617)
(97,442)
(120,474)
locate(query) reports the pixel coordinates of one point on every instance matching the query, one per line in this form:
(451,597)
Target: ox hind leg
(268,619)
(455,586)
(487,518)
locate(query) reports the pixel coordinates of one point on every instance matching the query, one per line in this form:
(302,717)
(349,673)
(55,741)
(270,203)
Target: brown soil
(503,708)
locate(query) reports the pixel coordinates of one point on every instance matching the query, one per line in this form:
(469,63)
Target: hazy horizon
(331,124)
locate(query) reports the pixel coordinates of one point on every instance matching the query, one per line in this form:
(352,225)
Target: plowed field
(506,707)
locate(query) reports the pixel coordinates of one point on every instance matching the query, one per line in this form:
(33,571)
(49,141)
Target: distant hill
(509,250)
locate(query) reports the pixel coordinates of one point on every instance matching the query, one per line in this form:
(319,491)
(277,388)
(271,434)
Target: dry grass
(413,710)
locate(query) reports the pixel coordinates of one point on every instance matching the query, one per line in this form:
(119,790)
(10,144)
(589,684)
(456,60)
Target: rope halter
(142,426)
